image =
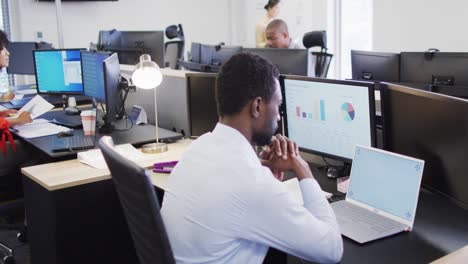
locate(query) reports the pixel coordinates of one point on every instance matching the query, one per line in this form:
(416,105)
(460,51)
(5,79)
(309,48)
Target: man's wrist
(302,169)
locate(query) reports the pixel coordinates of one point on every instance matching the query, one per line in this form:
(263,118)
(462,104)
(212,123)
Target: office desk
(68,203)
(440,227)
(74,215)
(137,136)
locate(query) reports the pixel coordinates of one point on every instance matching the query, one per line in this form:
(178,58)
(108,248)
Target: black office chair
(174,49)
(321,59)
(140,205)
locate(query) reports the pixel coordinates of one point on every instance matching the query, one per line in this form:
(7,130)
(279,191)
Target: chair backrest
(315,39)
(174,50)
(140,206)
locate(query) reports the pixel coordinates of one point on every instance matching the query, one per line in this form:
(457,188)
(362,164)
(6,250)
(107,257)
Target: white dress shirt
(223,206)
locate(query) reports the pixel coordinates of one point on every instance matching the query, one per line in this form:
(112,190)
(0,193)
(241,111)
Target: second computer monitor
(203,114)
(375,66)
(288,61)
(21,56)
(328,117)
(93,74)
(114,102)
(58,71)
(130,45)
(438,68)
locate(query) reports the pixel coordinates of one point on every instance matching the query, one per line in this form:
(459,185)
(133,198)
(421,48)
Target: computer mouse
(72,111)
(65,134)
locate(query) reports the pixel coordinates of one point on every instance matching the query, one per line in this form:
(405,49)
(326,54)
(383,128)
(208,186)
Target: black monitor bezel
(294,53)
(160,55)
(370,87)
(387,141)
(188,92)
(17,69)
(35,72)
(376,54)
(109,123)
(409,70)
(82,77)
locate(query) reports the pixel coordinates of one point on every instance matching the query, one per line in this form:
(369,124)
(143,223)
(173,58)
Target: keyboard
(74,143)
(348,212)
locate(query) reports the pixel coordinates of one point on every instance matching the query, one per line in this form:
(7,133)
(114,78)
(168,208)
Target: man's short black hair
(242,78)
(3,40)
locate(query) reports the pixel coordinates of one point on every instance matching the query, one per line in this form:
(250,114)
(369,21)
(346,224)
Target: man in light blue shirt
(224,204)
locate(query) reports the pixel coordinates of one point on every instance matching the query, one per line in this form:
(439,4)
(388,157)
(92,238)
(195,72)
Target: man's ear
(256,107)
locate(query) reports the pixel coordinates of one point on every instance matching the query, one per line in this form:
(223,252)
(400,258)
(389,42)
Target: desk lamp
(147,75)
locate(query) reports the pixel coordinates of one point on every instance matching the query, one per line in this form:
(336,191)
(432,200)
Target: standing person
(14,154)
(226,205)
(272,8)
(277,35)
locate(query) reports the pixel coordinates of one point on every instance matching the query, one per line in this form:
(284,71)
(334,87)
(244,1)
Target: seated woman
(14,153)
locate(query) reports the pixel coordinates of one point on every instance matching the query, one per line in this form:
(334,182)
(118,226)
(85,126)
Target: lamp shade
(147,74)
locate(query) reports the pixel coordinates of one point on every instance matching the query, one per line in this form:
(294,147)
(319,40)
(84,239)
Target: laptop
(78,141)
(382,196)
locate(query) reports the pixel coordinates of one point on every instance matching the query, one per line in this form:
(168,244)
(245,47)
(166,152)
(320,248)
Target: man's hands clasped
(283,155)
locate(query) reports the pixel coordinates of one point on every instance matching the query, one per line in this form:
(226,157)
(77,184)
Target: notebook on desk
(382,196)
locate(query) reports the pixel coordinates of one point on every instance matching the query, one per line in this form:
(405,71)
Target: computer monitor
(437,68)
(114,101)
(21,56)
(288,61)
(202,110)
(432,127)
(209,58)
(130,45)
(375,66)
(93,74)
(328,117)
(58,71)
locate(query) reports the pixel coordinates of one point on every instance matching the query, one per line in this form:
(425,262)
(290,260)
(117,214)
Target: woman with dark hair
(272,8)
(9,161)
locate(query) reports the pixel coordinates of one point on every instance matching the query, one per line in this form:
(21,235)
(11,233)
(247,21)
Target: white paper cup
(88,119)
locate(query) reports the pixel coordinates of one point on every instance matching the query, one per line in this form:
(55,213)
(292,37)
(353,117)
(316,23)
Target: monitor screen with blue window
(93,74)
(58,71)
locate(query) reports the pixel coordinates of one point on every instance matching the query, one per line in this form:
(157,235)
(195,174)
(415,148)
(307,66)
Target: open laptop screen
(386,181)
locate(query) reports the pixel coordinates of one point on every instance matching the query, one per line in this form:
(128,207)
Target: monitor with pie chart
(328,117)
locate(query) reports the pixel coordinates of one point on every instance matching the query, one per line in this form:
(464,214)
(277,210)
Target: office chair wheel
(22,236)
(8,260)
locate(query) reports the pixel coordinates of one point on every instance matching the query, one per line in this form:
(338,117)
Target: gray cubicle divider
(172,102)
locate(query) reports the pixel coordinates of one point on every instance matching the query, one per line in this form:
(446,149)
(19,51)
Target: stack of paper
(95,159)
(37,106)
(39,128)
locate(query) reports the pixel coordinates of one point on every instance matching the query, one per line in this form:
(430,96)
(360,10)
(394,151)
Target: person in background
(277,35)
(225,204)
(14,153)
(272,8)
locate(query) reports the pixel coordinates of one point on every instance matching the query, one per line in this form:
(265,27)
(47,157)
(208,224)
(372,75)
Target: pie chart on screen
(347,111)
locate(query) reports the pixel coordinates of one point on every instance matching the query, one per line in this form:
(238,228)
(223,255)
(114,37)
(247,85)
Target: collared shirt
(223,206)
(295,44)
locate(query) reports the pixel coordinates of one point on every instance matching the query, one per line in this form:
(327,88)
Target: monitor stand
(338,171)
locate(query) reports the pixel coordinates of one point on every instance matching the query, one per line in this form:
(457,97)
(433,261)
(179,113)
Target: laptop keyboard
(74,143)
(349,212)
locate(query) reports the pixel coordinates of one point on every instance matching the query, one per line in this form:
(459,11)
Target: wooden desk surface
(64,174)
